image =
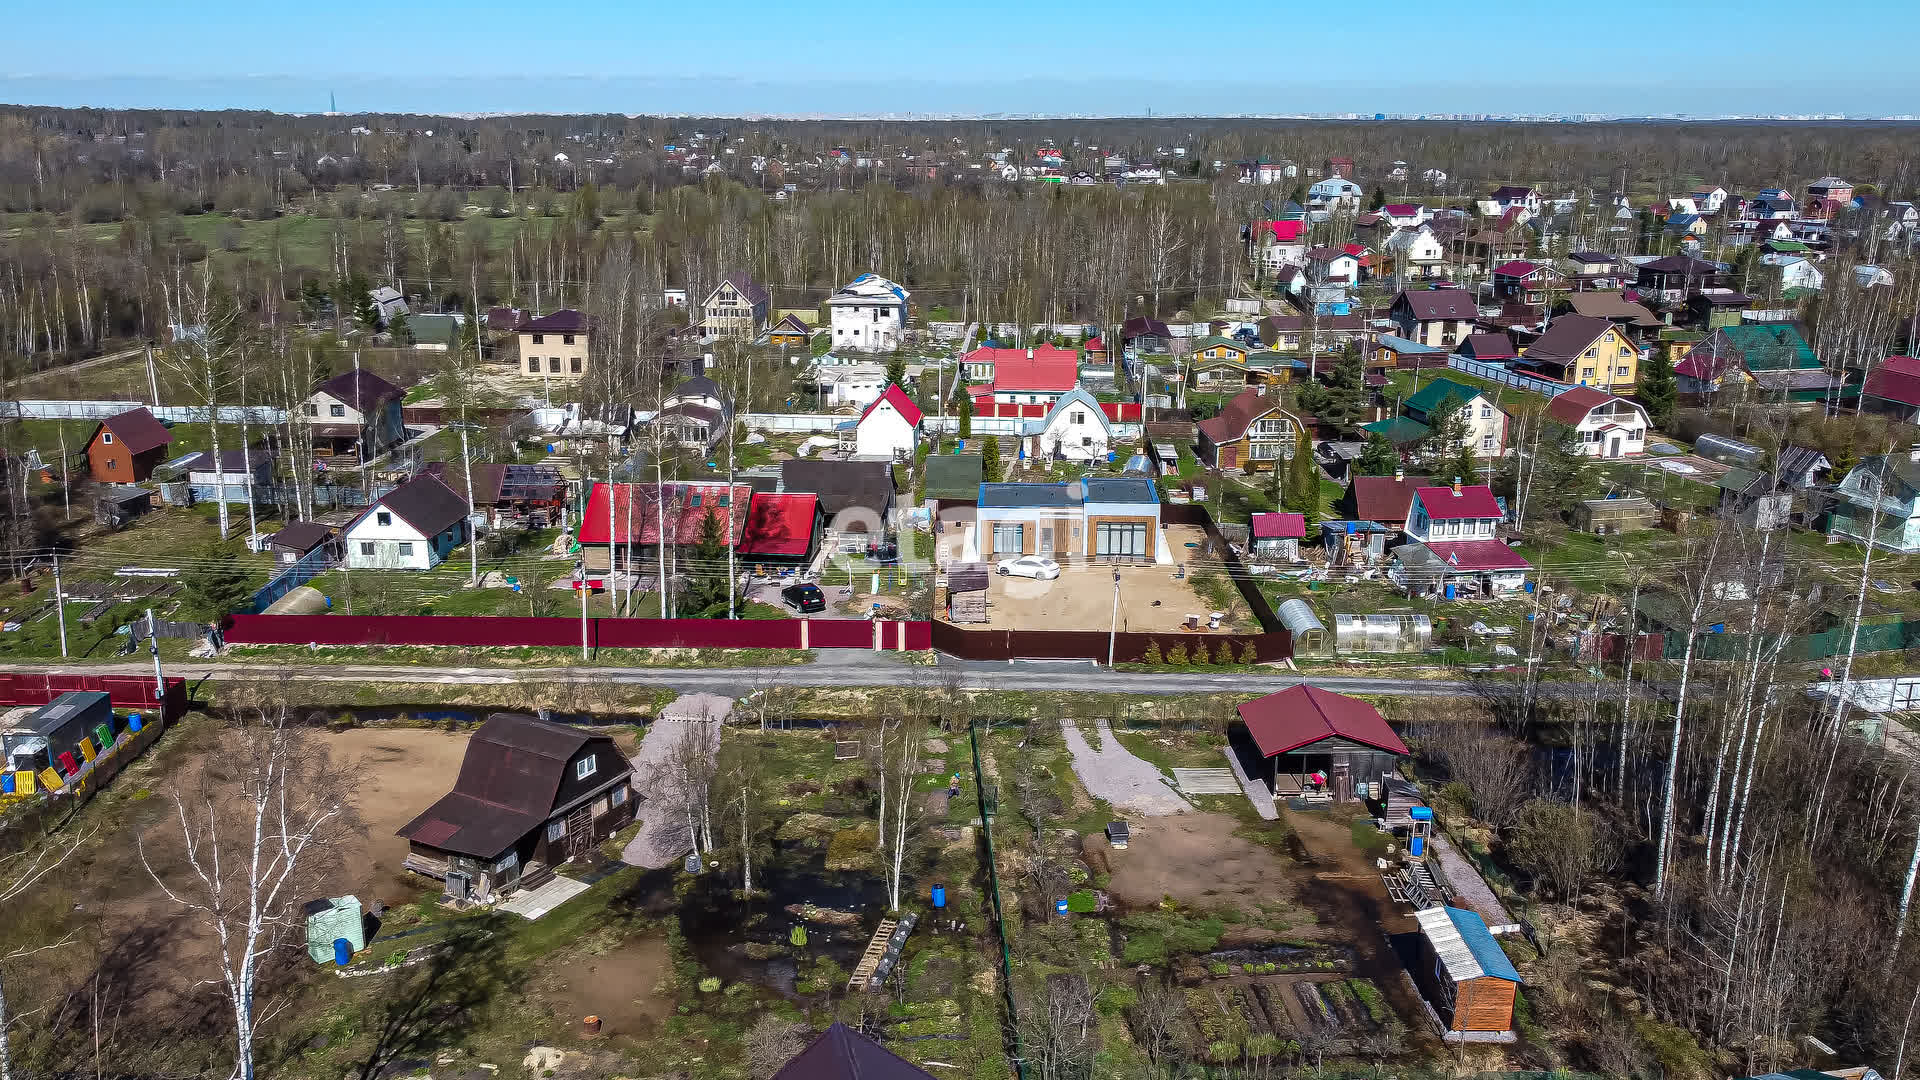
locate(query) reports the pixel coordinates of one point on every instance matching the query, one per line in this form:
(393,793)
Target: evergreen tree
(897,370)
(1378,200)
(1377,457)
(398,329)
(706,595)
(1343,399)
(1451,441)
(990,451)
(1658,388)
(966,417)
(1303,483)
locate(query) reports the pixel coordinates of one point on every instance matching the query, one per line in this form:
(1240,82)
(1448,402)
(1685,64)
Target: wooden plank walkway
(1206,781)
(870,960)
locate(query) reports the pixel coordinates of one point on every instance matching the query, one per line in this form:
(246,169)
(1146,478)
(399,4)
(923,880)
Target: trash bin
(342,952)
(939,896)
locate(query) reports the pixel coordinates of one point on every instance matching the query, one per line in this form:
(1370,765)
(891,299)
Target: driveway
(663,837)
(1113,773)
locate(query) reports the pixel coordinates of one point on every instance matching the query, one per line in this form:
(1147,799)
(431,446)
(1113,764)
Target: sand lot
(402,771)
(1152,598)
(1196,859)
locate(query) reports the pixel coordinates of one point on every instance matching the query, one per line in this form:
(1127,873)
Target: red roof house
(1279,526)
(635,517)
(1316,740)
(1458,504)
(127,447)
(1043,370)
(1893,388)
(901,403)
(781,525)
(1384,499)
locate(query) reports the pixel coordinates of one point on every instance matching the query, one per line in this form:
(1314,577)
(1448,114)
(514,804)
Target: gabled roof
(1612,306)
(1518,268)
(1141,325)
(564,321)
(231,461)
(1398,430)
(1283,232)
(844,1054)
(1426,304)
(137,429)
(1045,369)
(1768,346)
(1077,396)
(843,485)
(1215,340)
(361,389)
(424,502)
(1431,396)
(901,403)
(1238,415)
(1471,501)
(790,324)
(1572,407)
(1384,498)
(1896,379)
(1476,556)
(635,513)
(1489,346)
(1465,947)
(868,287)
(1567,337)
(300,536)
(509,779)
(1303,715)
(749,289)
(780,523)
(1279,526)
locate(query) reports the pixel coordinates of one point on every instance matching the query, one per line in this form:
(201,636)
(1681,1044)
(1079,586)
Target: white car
(1033,566)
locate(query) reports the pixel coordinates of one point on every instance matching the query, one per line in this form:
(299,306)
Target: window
(1591,353)
(586,767)
(722,500)
(383,518)
(1120,539)
(366,548)
(336,410)
(1622,370)
(1486,412)
(556,830)
(1624,351)
(1453,528)
(574,365)
(553,364)
(1009,539)
(1486,442)
(533,365)
(113,463)
(1586,372)
(539,339)
(566,339)
(618,795)
(312,409)
(107,437)
(1077,417)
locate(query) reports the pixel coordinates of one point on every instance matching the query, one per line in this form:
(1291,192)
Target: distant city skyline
(1119,58)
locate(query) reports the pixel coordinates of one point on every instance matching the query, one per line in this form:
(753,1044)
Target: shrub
(1219,967)
(1177,656)
(1082,902)
(1152,653)
(1247,656)
(709,984)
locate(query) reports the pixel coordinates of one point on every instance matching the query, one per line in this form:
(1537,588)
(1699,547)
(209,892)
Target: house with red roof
(1405,215)
(1305,740)
(1278,536)
(1036,376)
(1454,546)
(126,448)
(1608,426)
(1893,389)
(1279,243)
(782,528)
(1382,499)
(1524,282)
(889,428)
(631,517)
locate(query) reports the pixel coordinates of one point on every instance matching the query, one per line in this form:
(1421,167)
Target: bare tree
(260,824)
(207,354)
(687,779)
(22,872)
(900,765)
(743,784)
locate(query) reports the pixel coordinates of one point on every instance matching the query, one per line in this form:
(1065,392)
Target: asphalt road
(834,669)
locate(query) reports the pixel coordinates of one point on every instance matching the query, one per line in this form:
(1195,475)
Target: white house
(1417,251)
(1280,243)
(1405,215)
(1334,193)
(413,527)
(1455,543)
(1710,200)
(1797,273)
(1608,426)
(234,479)
(1074,429)
(850,385)
(1434,177)
(388,301)
(1326,264)
(889,428)
(868,314)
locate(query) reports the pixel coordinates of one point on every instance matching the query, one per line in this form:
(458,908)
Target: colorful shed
(1465,973)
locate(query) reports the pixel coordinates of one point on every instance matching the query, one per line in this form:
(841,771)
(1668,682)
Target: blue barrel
(939,891)
(342,951)
(1417,845)
(133,722)
(1421,813)
(1449,590)
(6,787)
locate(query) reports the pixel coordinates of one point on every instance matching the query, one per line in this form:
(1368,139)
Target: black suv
(803,598)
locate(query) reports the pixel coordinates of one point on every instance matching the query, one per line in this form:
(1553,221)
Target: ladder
(870,960)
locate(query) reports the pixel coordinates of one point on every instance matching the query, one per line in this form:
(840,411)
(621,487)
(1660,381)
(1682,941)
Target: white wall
(884,432)
(386,541)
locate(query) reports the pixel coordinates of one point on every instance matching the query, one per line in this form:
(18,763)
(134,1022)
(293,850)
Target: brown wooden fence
(1131,648)
(1195,514)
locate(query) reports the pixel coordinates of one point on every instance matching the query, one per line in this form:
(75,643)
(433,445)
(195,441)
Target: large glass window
(1120,539)
(1007,539)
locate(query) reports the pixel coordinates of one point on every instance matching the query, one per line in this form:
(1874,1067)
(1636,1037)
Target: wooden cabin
(1466,975)
(1318,742)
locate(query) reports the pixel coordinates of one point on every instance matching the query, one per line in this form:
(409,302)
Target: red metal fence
(1125,412)
(487,630)
(124,691)
(1093,645)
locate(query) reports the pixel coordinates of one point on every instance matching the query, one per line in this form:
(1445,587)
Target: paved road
(836,668)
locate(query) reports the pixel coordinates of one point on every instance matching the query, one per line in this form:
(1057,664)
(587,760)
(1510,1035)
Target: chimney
(1456,487)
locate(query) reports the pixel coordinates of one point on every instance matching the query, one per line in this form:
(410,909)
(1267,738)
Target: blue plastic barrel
(342,951)
(1450,591)
(6,787)
(1421,813)
(133,722)
(939,891)
(1417,845)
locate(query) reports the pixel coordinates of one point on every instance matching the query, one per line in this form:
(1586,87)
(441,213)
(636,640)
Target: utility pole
(1113,628)
(582,569)
(60,604)
(153,645)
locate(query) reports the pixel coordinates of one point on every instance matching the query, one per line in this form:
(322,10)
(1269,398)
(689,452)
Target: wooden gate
(579,833)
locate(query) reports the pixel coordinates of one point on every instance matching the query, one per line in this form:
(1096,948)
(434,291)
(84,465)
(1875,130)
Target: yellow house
(1585,351)
(554,347)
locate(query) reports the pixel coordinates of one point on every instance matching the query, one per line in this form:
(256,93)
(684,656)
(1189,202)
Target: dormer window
(106,437)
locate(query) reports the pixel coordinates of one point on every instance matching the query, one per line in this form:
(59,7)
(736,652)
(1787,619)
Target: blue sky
(971,56)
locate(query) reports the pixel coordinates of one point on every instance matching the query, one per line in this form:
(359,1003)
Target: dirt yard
(619,987)
(402,771)
(1152,598)
(1196,859)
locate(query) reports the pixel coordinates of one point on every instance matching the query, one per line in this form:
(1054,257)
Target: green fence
(1889,634)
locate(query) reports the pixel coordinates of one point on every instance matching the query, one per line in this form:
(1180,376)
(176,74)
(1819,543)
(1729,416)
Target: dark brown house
(530,794)
(125,449)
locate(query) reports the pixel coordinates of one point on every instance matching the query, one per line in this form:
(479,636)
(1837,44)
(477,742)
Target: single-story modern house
(1082,519)
(529,794)
(1317,740)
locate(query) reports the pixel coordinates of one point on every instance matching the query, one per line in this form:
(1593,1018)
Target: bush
(1177,656)
(1082,902)
(1152,653)
(709,984)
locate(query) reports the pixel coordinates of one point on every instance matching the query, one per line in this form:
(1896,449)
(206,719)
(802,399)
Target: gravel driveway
(1113,773)
(662,839)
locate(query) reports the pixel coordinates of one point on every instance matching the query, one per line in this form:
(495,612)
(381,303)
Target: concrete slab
(533,905)
(1257,791)
(1206,781)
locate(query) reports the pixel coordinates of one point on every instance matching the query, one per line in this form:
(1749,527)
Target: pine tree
(217,585)
(1377,457)
(1304,484)
(1658,389)
(897,370)
(706,595)
(990,452)
(966,418)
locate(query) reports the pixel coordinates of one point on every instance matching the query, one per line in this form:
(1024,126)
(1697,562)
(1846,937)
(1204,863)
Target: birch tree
(207,354)
(256,827)
(902,765)
(22,873)
(1700,581)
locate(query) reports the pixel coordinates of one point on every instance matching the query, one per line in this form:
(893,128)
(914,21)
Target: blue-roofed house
(868,314)
(1104,519)
(1465,974)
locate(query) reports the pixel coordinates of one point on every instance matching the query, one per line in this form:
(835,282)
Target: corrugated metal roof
(1465,947)
(1297,616)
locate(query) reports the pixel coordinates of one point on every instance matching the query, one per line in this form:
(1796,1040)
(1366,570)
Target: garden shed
(1611,517)
(1315,740)
(334,920)
(1466,975)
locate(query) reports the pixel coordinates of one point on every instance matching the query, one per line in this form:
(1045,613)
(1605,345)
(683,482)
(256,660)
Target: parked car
(804,598)
(1033,566)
